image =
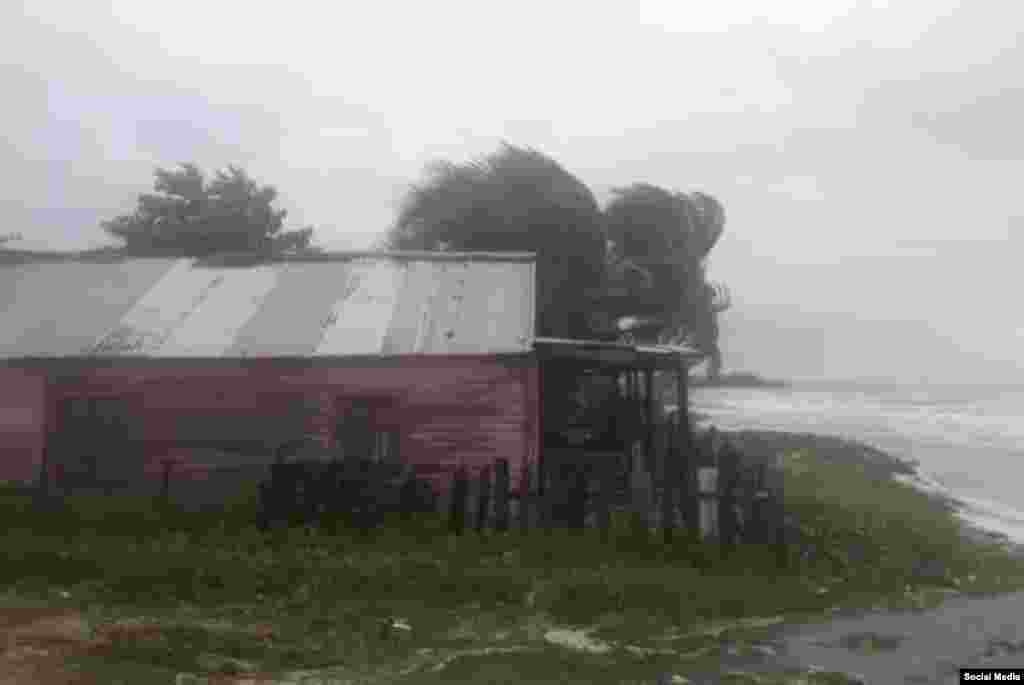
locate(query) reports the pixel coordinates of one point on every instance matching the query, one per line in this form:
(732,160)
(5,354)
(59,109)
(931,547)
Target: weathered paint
(438,332)
(448,411)
(22,424)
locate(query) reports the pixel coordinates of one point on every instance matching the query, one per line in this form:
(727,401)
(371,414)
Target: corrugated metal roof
(336,304)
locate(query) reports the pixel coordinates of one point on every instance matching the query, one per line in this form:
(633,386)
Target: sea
(968,441)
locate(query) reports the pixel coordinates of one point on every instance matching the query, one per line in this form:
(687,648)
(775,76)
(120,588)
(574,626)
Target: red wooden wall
(22,424)
(449,411)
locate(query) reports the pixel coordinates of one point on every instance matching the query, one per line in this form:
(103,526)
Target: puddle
(866,642)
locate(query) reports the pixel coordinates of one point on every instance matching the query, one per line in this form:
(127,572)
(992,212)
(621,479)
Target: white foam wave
(948,433)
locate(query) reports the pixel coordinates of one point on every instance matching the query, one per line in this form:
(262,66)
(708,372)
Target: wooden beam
(685,464)
(541,411)
(649,412)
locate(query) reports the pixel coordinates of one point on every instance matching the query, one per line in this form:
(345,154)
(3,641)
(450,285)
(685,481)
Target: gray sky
(868,153)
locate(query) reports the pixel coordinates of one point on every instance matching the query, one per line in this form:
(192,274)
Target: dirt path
(883,648)
(35,643)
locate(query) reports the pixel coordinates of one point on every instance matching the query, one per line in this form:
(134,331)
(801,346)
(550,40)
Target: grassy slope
(413,598)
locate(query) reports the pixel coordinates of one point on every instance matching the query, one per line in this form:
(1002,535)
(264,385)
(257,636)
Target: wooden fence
(717,496)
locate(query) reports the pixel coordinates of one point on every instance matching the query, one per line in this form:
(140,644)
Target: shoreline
(765,446)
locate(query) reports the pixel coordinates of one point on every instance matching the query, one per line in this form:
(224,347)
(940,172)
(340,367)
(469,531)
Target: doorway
(96,443)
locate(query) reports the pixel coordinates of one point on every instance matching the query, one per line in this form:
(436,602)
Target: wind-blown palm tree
(668,236)
(515,199)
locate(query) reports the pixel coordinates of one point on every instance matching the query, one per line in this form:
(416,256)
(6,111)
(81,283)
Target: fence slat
(640,494)
(407,493)
(577,497)
(547,505)
(527,498)
(728,472)
(608,482)
(165,484)
(444,499)
(668,508)
(774,484)
(457,510)
(707,491)
(502,495)
(483,499)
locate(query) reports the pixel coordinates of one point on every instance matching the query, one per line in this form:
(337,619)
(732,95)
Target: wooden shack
(117,372)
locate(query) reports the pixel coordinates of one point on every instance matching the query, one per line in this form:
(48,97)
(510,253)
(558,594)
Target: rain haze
(837,377)
(867,154)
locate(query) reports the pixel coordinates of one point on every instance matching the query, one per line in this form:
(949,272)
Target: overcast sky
(868,154)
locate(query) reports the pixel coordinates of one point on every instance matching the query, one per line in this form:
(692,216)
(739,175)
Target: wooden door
(97,443)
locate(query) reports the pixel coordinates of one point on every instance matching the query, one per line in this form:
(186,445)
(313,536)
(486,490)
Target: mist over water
(968,440)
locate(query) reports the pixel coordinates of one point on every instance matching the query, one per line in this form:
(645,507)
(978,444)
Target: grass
(228,597)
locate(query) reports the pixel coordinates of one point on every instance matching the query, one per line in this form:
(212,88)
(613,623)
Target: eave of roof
(253,258)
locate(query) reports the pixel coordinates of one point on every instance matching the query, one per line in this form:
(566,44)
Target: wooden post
(483,509)
(707,491)
(541,466)
(776,529)
(445,499)
(550,486)
(760,507)
(576,496)
(728,471)
(407,493)
(640,491)
(44,491)
(607,489)
(685,466)
(650,410)
(165,486)
(747,490)
(263,514)
(472,500)
(501,486)
(47,492)
(527,498)
(668,510)
(460,491)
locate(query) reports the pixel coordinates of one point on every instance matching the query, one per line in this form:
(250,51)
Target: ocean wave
(974,442)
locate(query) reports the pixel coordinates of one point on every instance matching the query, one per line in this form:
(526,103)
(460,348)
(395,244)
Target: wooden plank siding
(22,424)
(447,411)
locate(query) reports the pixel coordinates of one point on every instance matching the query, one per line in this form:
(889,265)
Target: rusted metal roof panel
(369,304)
